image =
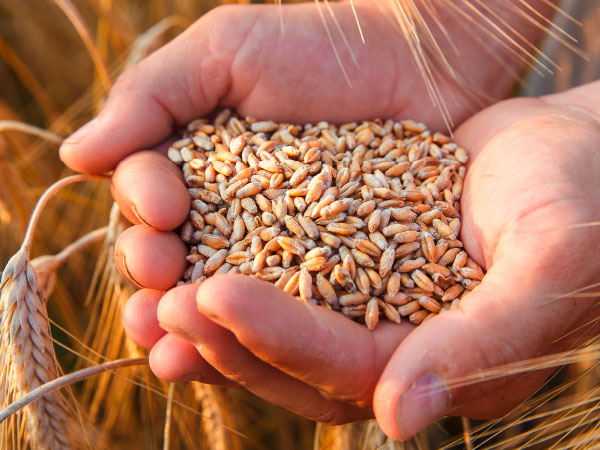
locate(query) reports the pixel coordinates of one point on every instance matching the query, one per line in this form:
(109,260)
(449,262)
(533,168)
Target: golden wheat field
(58,60)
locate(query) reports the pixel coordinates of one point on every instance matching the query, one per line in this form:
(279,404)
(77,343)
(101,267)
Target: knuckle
(496,352)
(331,415)
(220,12)
(498,348)
(503,350)
(128,80)
(219,15)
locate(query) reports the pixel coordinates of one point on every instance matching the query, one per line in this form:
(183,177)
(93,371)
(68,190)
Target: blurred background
(57,58)
(574,69)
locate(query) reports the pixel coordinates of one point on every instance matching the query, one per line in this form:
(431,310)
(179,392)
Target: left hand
(533,176)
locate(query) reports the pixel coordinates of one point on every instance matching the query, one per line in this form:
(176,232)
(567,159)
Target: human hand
(237,56)
(151,99)
(533,177)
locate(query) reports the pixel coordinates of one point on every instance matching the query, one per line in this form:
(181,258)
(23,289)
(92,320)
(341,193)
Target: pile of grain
(361,218)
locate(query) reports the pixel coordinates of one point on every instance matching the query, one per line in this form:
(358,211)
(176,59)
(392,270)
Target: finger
(149,189)
(174,359)
(338,356)
(177,313)
(176,84)
(510,317)
(150,258)
(139,317)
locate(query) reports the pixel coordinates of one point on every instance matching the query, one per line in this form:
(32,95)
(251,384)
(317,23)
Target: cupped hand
(532,186)
(284,68)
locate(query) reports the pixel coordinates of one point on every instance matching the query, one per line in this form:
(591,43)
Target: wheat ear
(27,358)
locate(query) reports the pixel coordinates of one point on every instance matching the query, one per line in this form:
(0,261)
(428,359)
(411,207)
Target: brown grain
(362,218)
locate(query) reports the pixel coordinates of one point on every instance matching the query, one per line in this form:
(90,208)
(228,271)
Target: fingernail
(81,133)
(139,217)
(128,273)
(425,402)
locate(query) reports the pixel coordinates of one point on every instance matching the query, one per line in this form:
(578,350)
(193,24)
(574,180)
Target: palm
(295,75)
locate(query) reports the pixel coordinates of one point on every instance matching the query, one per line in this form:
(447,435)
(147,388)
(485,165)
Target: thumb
(181,81)
(508,318)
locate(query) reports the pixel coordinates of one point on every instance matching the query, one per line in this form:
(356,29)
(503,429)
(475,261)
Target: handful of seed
(361,218)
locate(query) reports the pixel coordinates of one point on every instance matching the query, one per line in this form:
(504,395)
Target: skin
(533,175)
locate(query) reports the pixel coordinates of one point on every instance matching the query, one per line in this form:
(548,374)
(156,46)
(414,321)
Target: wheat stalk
(28,79)
(14,125)
(77,21)
(27,357)
(26,353)
(359,436)
(47,265)
(64,381)
(149,39)
(168,418)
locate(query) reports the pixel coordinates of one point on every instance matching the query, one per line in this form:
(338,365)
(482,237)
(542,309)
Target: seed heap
(361,218)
